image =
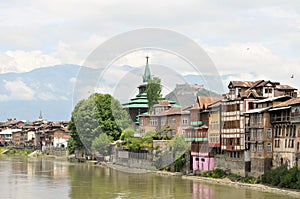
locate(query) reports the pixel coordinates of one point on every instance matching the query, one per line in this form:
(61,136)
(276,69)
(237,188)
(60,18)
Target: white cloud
(253,61)
(63,34)
(21,61)
(18,90)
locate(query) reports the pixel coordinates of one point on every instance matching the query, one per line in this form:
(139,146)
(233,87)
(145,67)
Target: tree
(101,144)
(153,91)
(98,114)
(178,145)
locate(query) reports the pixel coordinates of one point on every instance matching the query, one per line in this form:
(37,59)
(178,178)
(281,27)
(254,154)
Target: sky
(246,40)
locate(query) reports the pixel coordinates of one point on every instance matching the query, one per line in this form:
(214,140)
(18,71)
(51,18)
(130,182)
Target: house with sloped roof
(285,119)
(165,119)
(234,108)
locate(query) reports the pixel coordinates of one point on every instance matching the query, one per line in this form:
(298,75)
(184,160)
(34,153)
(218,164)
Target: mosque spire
(41,116)
(147,73)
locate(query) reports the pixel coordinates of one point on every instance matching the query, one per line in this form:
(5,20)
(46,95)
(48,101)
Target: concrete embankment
(258,187)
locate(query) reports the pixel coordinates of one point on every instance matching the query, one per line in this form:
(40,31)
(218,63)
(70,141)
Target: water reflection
(52,179)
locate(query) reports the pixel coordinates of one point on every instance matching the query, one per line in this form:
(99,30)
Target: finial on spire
(147,73)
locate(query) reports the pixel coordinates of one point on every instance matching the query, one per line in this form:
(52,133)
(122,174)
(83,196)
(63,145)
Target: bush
(282,177)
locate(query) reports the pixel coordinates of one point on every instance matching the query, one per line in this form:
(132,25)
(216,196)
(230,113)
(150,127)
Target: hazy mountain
(50,90)
(186,94)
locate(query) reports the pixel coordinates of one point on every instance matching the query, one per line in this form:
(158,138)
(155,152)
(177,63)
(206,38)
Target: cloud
(253,61)
(17,90)
(45,33)
(22,61)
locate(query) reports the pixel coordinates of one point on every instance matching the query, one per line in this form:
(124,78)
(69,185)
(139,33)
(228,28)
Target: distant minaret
(41,116)
(147,73)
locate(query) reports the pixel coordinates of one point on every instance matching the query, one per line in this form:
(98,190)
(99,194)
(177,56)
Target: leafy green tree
(153,91)
(74,142)
(101,144)
(98,114)
(178,144)
(127,134)
(135,143)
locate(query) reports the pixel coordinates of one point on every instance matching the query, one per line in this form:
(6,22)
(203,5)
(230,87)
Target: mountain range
(49,90)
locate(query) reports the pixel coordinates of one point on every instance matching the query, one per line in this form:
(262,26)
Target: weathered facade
(165,119)
(286,123)
(246,142)
(201,152)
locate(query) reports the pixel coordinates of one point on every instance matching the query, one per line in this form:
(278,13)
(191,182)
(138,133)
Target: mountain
(186,94)
(50,90)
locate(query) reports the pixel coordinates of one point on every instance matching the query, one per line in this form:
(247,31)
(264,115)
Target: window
(184,121)
(259,148)
(142,122)
(277,143)
(153,122)
(269,133)
(253,148)
(253,134)
(268,90)
(269,147)
(252,119)
(173,120)
(259,118)
(259,134)
(291,143)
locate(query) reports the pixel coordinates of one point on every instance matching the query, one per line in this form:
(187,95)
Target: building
(260,141)
(235,106)
(197,134)
(166,118)
(139,104)
(286,126)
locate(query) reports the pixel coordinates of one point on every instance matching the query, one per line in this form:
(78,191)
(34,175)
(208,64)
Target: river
(42,178)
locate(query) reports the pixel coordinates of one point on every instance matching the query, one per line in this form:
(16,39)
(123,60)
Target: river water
(41,178)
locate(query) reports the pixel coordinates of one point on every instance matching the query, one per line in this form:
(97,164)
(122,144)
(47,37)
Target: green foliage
(98,114)
(177,166)
(216,173)
(74,142)
(273,176)
(23,152)
(135,144)
(148,137)
(153,91)
(127,134)
(179,163)
(282,177)
(178,145)
(101,144)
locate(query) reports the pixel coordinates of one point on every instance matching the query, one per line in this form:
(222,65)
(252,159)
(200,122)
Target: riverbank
(257,187)
(218,181)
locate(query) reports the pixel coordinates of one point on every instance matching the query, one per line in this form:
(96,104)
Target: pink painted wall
(203,163)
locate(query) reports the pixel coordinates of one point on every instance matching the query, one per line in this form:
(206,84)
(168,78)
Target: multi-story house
(197,134)
(286,122)
(165,118)
(260,141)
(241,98)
